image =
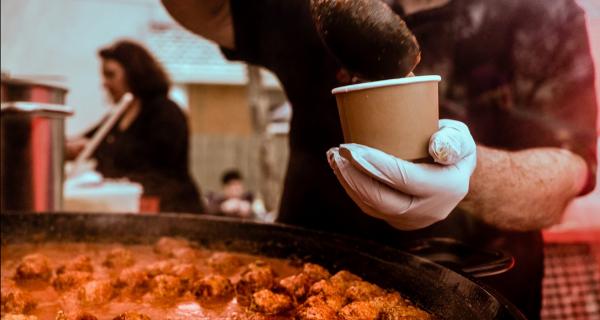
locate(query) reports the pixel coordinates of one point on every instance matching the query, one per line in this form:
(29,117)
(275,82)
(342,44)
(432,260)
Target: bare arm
(524,190)
(208,18)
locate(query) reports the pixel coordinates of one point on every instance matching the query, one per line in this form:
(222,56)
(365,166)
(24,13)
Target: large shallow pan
(433,287)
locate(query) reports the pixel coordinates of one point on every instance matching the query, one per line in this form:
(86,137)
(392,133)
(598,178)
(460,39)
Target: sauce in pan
(174,279)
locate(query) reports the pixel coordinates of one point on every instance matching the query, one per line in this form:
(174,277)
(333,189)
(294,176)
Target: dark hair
(144,74)
(231,175)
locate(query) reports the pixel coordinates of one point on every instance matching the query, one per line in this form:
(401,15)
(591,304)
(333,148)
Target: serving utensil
(98,137)
(367,37)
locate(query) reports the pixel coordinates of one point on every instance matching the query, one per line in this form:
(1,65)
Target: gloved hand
(408,195)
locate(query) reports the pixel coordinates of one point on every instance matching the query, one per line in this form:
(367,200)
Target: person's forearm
(524,190)
(208,18)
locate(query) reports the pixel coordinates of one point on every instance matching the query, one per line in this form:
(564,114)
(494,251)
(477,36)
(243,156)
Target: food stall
(76,245)
(43,249)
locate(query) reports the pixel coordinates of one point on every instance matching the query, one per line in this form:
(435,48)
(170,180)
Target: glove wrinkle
(369,193)
(372,162)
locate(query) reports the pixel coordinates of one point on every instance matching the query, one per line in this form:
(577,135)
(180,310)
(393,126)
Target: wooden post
(259,103)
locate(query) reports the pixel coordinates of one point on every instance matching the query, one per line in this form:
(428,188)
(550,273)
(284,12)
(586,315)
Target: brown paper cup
(397,116)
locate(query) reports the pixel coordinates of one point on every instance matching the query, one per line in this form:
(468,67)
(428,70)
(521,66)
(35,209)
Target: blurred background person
(149,144)
(234,200)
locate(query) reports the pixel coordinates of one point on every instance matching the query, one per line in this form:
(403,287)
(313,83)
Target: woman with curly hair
(150,142)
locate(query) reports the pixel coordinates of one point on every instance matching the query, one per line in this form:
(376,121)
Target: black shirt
(153,151)
(518,73)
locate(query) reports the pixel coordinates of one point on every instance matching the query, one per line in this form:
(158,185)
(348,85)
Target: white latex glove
(408,195)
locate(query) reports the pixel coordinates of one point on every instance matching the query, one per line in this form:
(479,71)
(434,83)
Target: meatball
(15,301)
(224,263)
(34,267)
(166,245)
(344,279)
(77,315)
(186,272)
(268,302)
(315,308)
(79,263)
(166,286)
(359,310)
(389,300)
(325,287)
(160,267)
(213,287)
(119,258)
(12,316)
(257,276)
(133,280)
(403,313)
(335,302)
(96,292)
(251,315)
(315,272)
(389,305)
(337,285)
(184,254)
(362,290)
(298,285)
(70,279)
(131,316)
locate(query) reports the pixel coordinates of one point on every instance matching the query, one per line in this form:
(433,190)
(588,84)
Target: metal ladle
(367,37)
(98,137)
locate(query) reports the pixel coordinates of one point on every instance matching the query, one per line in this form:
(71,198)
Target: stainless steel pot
(32,145)
(13,89)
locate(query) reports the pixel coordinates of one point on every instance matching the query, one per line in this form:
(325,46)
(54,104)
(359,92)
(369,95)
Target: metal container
(32,146)
(13,89)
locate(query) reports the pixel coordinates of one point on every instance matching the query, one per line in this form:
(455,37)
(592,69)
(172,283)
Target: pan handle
(461,257)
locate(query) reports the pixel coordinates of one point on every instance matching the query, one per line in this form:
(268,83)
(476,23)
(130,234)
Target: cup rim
(385,83)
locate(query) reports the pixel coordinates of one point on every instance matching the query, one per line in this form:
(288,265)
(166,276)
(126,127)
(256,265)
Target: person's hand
(408,195)
(74,146)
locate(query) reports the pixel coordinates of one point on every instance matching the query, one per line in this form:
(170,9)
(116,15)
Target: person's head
(128,67)
(233,184)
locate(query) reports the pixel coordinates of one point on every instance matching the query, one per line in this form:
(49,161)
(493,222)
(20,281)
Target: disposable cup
(397,116)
